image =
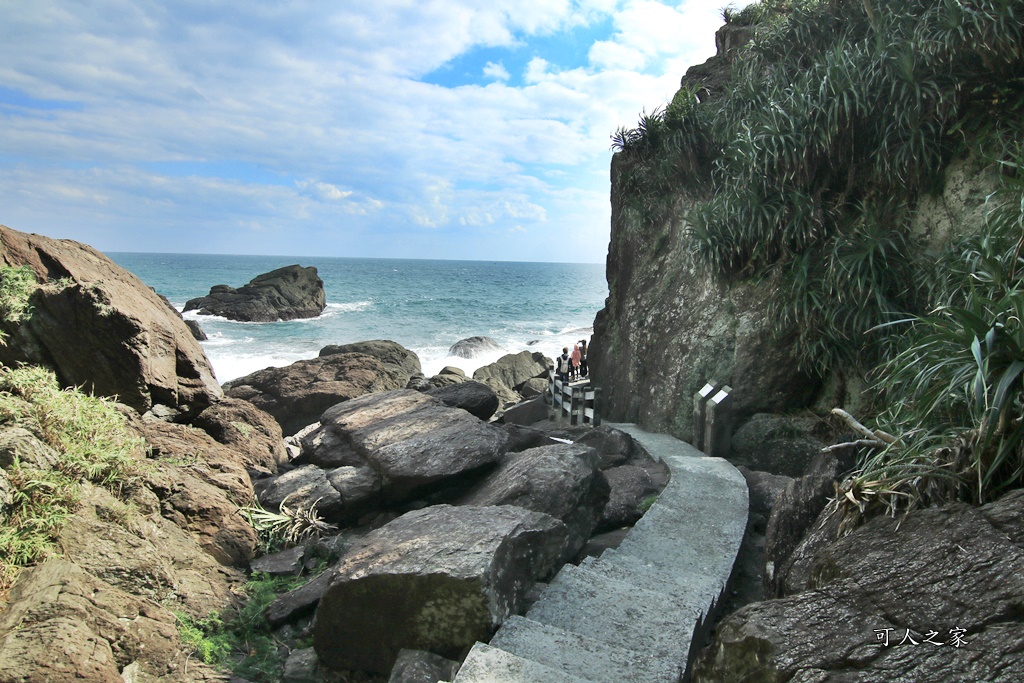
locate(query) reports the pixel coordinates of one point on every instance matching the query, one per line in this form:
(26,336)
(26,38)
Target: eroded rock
(283,294)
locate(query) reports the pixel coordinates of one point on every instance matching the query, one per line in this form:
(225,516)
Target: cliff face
(671,323)
(669,326)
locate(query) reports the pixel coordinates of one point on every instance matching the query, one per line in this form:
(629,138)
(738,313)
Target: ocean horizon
(426,305)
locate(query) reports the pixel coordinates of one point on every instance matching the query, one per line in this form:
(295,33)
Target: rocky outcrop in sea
(284,294)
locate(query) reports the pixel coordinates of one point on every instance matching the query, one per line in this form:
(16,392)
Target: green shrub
(17,283)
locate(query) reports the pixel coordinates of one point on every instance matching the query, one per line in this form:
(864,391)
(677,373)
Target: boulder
(764,492)
(437,579)
(284,294)
(778,444)
(284,563)
(196,330)
(443,380)
(527,412)
(298,394)
(302,488)
(615,446)
(100,328)
(795,511)
(62,624)
(474,397)
(417,666)
(252,432)
(935,596)
(513,369)
(302,666)
(629,486)
(413,441)
(561,480)
(537,386)
(17,443)
(452,370)
(522,437)
(474,347)
(402,363)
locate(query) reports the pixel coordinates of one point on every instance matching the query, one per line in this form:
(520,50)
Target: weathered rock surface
(437,579)
(302,487)
(196,330)
(399,361)
(778,444)
(17,443)
(526,412)
(513,369)
(105,331)
(298,394)
(283,294)
(474,347)
(62,625)
(417,666)
(794,513)
(252,432)
(944,569)
(561,480)
(412,440)
(474,397)
(628,485)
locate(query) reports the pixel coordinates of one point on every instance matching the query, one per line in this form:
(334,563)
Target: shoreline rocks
(284,294)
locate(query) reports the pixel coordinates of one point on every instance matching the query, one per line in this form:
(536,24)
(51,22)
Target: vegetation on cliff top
(804,169)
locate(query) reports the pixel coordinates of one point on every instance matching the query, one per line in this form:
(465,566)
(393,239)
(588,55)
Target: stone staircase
(635,613)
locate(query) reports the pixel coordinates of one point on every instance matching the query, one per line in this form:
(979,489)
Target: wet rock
(474,347)
(284,294)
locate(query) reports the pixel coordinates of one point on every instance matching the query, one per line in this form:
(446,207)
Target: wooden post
(700,400)
(718,423)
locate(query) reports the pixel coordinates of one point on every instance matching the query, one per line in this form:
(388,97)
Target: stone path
(634,613)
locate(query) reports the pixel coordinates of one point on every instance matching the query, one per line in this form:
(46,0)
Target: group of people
(573,366)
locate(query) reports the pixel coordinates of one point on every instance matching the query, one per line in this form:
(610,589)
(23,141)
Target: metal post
(700,400)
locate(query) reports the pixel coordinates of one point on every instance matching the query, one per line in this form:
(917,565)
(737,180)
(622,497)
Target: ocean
(423,305)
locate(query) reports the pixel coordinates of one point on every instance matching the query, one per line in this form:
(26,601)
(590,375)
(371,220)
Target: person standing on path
(576,356)
(584,368)
(564,364)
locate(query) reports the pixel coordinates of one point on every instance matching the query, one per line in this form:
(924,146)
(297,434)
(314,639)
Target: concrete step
(694,588)
(617,613)
(487,664)
(567,651)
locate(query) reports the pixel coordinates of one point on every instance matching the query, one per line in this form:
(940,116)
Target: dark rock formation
(561,480)
(283,294)
(474,397)
(513,369)
(99,327)
(937,599)
(413,441)
(298,394)
(526,412)
(399,361)
(437,579)
(196,330)
(779,444)
(629,486)
(474,347)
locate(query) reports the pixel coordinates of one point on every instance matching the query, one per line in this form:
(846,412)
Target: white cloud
(301,115)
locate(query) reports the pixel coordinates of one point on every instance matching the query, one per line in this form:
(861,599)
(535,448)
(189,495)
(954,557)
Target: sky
(460,129)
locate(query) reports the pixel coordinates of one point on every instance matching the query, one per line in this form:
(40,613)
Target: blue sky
(405,128)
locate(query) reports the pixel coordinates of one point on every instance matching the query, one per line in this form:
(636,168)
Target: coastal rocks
(399,361)
(283,294)
(196,330)
(437,579)
(629,486)
(513,370)
(474,397)
(248,430)
(298,394)
(947,575)
(413,440)
(99,327)
(560,480)
(474,347)
(63,624)
(779,444)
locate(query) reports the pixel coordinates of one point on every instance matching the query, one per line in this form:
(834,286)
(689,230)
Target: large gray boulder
(398,360)
(437,579)
(100,328)
(474,397)
(284,294)
(296,395)
(560,480)
(474,347)
(514,369)
(412,440)
(927,576)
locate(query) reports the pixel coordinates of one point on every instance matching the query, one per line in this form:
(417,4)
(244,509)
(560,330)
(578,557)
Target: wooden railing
(576,401)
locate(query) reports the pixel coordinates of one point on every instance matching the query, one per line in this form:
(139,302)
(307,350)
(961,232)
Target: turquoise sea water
(424,305)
